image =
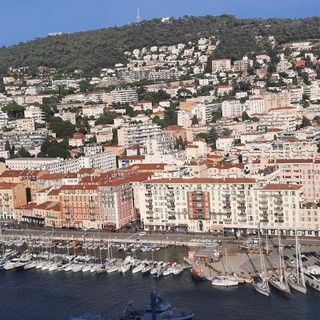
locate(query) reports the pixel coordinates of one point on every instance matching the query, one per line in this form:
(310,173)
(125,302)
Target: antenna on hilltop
(138,16)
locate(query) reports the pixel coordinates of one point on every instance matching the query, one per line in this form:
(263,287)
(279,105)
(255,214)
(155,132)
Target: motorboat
(223,281)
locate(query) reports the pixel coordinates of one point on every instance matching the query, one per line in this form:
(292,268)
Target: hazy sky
(22,20)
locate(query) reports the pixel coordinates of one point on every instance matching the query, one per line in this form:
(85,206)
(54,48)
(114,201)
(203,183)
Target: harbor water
(40,295)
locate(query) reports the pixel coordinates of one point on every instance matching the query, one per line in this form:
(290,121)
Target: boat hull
(285,292)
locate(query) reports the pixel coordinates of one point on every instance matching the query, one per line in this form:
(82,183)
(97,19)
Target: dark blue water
(39,295)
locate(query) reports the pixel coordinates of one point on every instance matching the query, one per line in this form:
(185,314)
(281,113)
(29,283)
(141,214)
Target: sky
(23,20)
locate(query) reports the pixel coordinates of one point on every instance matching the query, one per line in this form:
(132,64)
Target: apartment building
(222,64)
(116,203)
(12,195)
(205,204)
(137,133)
(79,206)
(232,109)
(36,113)
(302,172)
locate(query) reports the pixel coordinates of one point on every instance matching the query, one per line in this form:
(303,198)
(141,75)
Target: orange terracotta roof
(132,157)
(7,185)
(282,186)
(52,176)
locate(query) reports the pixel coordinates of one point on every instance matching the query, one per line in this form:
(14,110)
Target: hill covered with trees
(93,50)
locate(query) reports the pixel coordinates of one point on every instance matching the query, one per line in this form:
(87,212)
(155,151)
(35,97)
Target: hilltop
(93,50)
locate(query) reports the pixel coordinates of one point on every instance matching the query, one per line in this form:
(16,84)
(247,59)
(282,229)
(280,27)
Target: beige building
(12,195)
(205,204)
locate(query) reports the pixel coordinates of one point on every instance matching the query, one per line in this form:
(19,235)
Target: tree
(212,137)
(7,146)
(23,153)
(194,120)
(55,151)
(63,129)
(14,110)
(305,122)
(245,116)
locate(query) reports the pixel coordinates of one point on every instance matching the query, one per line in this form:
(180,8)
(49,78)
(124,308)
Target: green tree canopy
(63,129)
(14,110)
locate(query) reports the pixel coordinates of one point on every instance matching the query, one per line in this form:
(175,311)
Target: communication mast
(138,16)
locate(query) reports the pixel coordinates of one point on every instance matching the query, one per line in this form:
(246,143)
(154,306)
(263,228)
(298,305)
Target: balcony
(227,221)
(241,207)
(242,220)
(148,200)
(279,220)
(241,195)
(264,220)
(263,202)
(148,194)
(242,213)
(278,208)
(226,207)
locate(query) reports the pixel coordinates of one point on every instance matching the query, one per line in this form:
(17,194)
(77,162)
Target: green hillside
(92,50)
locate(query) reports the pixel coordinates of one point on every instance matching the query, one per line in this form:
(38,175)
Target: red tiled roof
(282,186)
(203,180)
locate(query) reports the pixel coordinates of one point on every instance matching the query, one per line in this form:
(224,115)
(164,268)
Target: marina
(143,265)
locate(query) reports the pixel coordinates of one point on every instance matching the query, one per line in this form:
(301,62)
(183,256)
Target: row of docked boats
(78,263)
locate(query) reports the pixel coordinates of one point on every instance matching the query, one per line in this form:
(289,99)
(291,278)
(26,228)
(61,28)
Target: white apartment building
(296,95)
(232,108)
(95,110)
(221,65)
(280,149)
(136,133)
(204,204)
(281,121)
(124,95)
(255,106)
(35,113)
(184,118)
(106,161)
(67,116)
(25,124)
(312,91)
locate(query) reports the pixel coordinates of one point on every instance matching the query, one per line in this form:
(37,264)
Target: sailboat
(297,281)
(277,281)
(226,280)
(260,282)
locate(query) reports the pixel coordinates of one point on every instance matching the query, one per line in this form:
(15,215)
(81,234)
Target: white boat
(277,281)
(77,268)
(223,281)
(124,268)
(168,271)
(297,280)
(112,268)
(46,266)
(9,265)
(100,268)
(30,265)
(146,269)
(178,268)
(312,276)
(87,268)
(40,264)
(53,267)
(68,267)
(138,268)
(260,282)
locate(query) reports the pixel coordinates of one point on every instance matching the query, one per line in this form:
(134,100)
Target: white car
(143,233)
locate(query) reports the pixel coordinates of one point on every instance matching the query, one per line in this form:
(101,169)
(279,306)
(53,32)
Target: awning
(182,226)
